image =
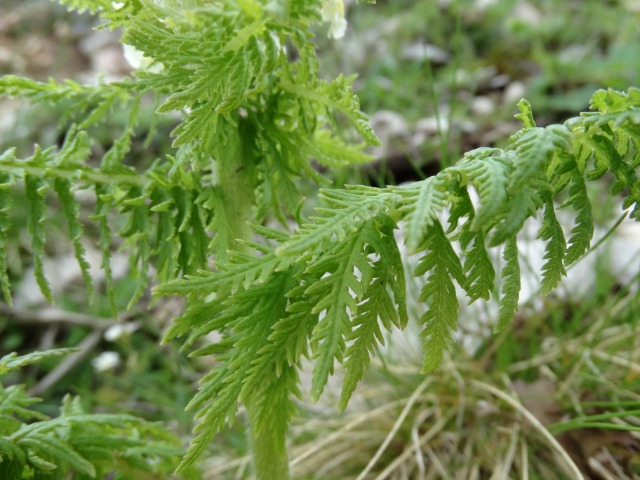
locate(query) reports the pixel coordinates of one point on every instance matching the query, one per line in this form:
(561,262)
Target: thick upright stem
(270,460)
(236,188)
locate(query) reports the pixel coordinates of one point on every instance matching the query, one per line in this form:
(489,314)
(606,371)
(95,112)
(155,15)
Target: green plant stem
(236,187)
(269,450)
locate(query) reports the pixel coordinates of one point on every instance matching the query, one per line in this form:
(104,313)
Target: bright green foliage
(12,361)
(479,273)
(335,292)
(221,64)
(441,319)
(242,77)
(583,230)
(347,211)
(326,248)
(6,181)
(510,285)
(253,315)
(63,188)
(35,190)
(487,168)
(551,232)
(382,304)
(424,201)
(162,193)
(32,445)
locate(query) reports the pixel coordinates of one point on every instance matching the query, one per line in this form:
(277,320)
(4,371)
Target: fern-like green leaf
(70,210)
(488,171)
(384,244)
(5,205)
(340,92)
(551,231)
(200,315)
(244,75)
(13,463)
(75,443)
(383,305)
(103,200)
(614,101)
(36,191)
(582,232)
(167,244)
(420,205)
(58,452)
(75,150)
(347,210)
(239,82)
(136,233)
(337,291)
(523,205)
(85,105)
(510,293)
(12,361)
(255,312)
(439,293)
(605,156)
(40,463)
(525,115)
(478,267)
(534,149)
(337,95)
(15,409)
(112,160)
(287,342)
(334,152)
(241,272)
(366,334)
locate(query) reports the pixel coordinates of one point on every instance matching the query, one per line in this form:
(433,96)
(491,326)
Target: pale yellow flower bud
(333,12)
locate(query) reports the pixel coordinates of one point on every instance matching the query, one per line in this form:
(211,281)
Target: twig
(54,315)
(85,346)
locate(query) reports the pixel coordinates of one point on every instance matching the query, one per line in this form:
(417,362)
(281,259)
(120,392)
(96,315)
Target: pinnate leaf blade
(440,320)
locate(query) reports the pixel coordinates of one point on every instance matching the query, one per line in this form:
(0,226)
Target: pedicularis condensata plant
(242,75)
